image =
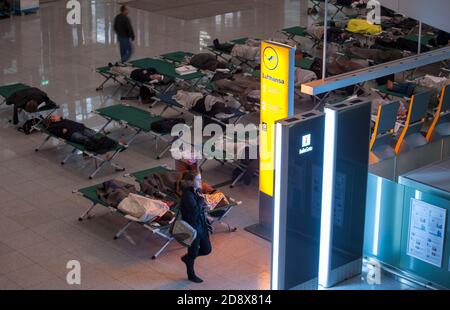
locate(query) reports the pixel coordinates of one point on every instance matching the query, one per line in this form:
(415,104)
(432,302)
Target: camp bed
(411,135)
(228,58)
(168,69)
(108,75)
(426,39)
(339,8)
(293,32)
(385,93)
(90,193)
(217,215)
(100,158)
(167,99)
(7,90)
(135,118)
(241,165)
(125,79)
(45,111)
(177,57)
(305,63)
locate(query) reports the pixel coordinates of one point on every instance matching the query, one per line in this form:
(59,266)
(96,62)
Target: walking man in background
(125,33)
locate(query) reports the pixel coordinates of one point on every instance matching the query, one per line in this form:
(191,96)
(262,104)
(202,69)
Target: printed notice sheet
(426,232)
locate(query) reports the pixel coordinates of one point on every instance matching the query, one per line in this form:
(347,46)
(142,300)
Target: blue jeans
(125,48)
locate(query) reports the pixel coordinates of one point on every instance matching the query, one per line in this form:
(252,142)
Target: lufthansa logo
(270,58)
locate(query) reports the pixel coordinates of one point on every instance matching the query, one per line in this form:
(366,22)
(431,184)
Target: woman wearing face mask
(192,209)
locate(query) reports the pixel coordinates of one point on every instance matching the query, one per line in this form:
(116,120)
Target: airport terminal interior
(386,83)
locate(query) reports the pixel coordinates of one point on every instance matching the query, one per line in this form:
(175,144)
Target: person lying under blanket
(251,50)
(124,197)
(209,105)
(30,100)
(377,55)
(239,85)
(170,183)
(78,133)
(206,61)
(340,65)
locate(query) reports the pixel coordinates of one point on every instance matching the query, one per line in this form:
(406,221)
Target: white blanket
(143,208)
(187,99)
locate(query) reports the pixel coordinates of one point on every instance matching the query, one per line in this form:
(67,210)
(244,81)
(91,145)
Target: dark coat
(20,99)
(122,27)
(192,207)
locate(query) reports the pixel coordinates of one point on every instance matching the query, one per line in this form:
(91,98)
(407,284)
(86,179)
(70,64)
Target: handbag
(182,232)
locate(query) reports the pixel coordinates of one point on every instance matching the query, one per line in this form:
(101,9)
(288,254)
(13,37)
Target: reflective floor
(39,230)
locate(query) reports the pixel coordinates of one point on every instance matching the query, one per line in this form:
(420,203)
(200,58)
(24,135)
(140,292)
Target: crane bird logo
(270,58)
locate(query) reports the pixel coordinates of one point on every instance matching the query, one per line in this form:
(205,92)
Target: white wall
(435,13)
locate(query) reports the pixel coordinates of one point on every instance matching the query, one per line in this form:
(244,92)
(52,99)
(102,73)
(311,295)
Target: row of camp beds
(90,193)
(305,63)
(137,119)
(140,121)
(292,33)
(44,112)
(410,133)
(340,8)
(167,68)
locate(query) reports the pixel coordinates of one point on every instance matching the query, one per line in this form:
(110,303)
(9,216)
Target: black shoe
(110,65)
(195,279)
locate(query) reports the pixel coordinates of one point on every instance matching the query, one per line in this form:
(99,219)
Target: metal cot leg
(120,232)
(86,213)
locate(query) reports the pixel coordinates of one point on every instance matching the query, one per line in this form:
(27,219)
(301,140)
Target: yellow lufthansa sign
(277,102)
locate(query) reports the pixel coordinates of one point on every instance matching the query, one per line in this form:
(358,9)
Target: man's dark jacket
(20,99)
(122,27)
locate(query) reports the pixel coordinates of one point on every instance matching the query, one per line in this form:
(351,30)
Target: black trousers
(200,247)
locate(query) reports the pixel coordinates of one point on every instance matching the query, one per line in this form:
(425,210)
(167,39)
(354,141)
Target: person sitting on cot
(406,88)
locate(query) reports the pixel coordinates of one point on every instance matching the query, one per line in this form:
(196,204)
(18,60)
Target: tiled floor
(39,230)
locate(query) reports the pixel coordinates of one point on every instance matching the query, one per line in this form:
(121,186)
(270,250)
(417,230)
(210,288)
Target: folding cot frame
(292,32)
(7,90)
(236,164)
(80,148)
(135,118)
(339,7)
(218,215)
(167,100)
(228,58)
(90,193)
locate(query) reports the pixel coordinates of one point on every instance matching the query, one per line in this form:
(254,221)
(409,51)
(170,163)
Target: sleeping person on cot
(78,133)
